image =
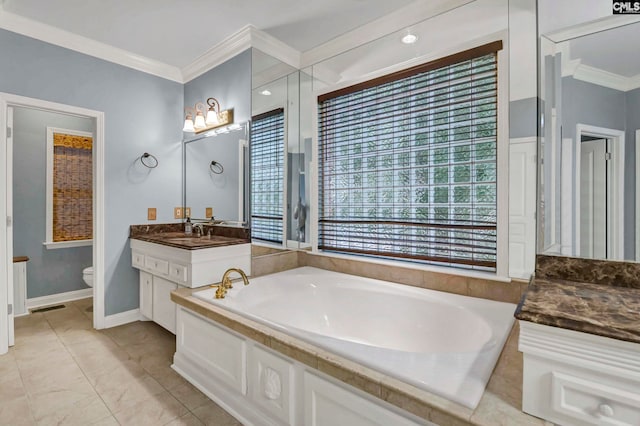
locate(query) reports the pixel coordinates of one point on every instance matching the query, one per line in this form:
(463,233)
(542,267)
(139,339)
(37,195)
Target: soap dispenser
(188,228)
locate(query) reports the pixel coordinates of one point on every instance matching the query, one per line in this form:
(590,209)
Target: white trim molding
(122,318)
(48,242)
(54,299)
(616,225)
(49,34)
(10,100)
(247,37)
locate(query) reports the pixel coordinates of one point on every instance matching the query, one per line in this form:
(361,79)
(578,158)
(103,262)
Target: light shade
(212,117)
(188,126)
(188,123)
(199,123)
(212,112)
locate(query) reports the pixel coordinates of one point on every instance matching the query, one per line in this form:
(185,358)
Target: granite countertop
(172,235)
(500,404)
(180,240)
(605,310)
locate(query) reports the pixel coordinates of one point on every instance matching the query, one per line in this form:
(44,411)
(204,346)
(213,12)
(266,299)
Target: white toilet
(87,276)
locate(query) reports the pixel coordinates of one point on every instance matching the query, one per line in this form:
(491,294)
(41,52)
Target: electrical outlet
(208,213)
(187,212)
(177,213)
(151,213)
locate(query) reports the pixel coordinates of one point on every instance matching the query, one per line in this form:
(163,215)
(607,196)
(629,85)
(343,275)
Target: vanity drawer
(137,259)
(178,272)
(592,402)
(157,265)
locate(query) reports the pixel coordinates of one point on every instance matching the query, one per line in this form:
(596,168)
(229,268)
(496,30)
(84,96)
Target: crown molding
(603,78)
(276,48)
(246,37)
(591,27)
(218,54)
(52,35)
(600,77)
(409,15)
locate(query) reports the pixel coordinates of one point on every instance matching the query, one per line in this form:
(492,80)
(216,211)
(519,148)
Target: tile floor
(63,372)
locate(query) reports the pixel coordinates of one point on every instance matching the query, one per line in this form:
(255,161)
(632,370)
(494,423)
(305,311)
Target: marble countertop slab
(182,241)
(500,404)
(605,310)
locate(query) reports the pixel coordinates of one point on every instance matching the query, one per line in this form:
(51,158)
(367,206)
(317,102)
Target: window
(267,174)
(69,188)
(409,163)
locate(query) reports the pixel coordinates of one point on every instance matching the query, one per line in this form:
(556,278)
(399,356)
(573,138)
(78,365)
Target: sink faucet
(226,283)
(199,229)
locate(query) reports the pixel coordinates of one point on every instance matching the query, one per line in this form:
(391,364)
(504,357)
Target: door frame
(6,208)
(616,225)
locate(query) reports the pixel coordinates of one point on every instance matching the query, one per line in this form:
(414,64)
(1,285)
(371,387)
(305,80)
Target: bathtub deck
(500,403)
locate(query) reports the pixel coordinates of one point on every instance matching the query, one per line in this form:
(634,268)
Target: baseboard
(54,299)
(122,318)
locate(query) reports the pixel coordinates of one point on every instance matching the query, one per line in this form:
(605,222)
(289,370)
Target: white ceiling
(176,32)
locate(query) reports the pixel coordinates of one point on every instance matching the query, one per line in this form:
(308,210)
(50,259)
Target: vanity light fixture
(409,38)
(206,118)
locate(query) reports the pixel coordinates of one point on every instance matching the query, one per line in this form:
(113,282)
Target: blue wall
(142,113)
(49,271)
(229,83)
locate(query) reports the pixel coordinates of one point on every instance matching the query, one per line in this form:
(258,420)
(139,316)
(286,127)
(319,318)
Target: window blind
(72,187)
(408,163)
(267,171)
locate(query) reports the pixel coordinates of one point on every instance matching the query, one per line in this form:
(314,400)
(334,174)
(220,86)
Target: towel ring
(216,167)
(146,156)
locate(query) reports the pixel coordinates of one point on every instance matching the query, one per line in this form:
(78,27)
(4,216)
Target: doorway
(599,194)
(8,105)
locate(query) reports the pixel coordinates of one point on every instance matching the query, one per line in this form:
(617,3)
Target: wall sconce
(206,118)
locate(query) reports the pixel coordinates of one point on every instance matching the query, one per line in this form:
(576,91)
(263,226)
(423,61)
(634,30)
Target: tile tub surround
(484,288)
(604,272)
(500,404)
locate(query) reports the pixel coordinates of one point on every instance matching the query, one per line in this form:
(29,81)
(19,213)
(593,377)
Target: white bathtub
(440,342)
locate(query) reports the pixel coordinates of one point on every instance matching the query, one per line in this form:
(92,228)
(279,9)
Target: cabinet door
(164,310)
(146,294)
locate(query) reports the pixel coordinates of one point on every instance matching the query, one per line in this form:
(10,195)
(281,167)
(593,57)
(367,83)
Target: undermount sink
(184,239)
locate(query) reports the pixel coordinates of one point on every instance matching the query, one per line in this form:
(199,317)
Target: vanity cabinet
(164,268)
(260,386)
(574,378)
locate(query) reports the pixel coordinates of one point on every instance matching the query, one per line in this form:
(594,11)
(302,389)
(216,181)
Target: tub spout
(226,281)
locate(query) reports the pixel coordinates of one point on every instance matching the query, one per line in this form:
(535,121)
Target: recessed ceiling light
(265,92)
(409,39)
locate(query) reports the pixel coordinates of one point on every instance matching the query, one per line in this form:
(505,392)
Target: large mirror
(216,175)
(280,152)
(589,92)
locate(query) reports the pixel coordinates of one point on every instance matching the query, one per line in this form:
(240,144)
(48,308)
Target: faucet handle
(221,290)
(226,282)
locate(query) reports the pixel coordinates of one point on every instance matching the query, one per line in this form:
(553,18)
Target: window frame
(49,243)
(502,162)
